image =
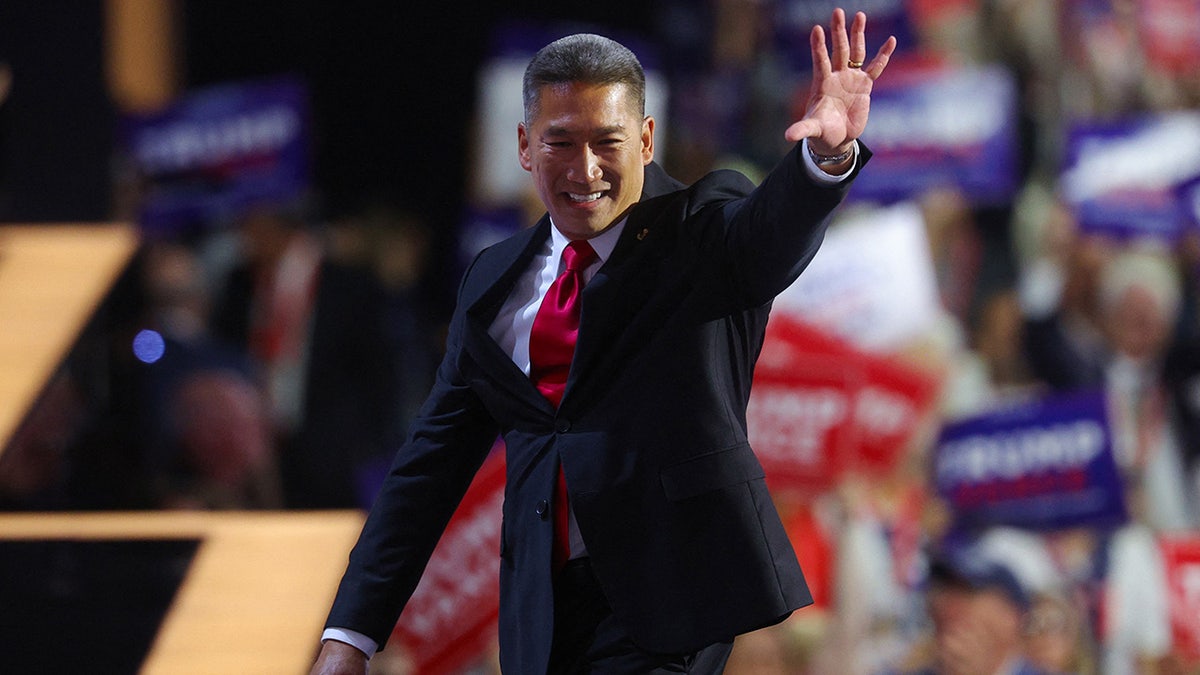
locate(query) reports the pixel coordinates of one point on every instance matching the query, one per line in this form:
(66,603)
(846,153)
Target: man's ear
(523,146)
(647,140)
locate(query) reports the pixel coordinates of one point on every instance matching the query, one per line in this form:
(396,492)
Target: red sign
(821,407)
(451,620)
(1181,556)
(799,427)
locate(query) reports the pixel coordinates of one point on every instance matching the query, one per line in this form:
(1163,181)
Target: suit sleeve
(446,445)
(764,239)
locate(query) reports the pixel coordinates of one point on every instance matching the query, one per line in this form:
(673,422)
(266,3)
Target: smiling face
(586,147)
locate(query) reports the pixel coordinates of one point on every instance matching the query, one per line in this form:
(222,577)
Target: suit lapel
(608,299)
(506,264)
(617,290)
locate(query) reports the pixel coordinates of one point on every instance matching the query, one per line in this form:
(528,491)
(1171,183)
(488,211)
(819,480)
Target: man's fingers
(841,41)
(858,38)
(877,64)
(816,40)
(802,129)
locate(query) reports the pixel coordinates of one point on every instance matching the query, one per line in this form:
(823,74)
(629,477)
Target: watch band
(829,160)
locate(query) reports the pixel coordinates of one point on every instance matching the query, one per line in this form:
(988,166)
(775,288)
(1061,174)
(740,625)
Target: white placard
(872,281)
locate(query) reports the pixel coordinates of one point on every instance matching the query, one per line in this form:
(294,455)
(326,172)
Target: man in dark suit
(672,544)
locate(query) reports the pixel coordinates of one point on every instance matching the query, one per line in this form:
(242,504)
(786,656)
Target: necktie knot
(578,255)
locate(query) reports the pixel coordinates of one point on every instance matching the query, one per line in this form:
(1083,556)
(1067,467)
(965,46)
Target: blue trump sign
(1045,464)
(219,151)
(937,127)
(1114,193)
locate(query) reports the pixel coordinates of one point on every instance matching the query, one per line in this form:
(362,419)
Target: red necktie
(551,348)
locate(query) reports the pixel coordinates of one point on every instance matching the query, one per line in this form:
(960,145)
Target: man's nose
(586,167)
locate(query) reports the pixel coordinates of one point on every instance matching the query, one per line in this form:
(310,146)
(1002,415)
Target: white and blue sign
(219,151)
(942,127)
(1044,465)
(1122,178)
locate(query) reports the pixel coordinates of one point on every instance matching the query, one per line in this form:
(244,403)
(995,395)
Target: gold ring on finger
(854,64)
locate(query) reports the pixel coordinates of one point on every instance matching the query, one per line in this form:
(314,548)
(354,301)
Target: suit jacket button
(543,509)
(562,426)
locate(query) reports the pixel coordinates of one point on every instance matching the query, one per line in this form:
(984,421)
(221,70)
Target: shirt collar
(603,243)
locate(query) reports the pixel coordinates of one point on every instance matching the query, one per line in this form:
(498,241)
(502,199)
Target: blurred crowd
(274,363)
(1032,304)
(274,360)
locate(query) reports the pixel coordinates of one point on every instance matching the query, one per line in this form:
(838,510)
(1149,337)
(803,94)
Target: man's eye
(559,144)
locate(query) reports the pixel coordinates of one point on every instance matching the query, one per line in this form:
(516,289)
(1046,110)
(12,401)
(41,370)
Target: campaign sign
(451,620)
(872,283)
(939,125)
(1181,557)
(1045,464)
(820,407)
(1113,191)
(219,151)
(799,421)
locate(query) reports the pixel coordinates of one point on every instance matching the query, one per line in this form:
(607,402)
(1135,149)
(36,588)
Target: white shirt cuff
(353,638)
(821,175)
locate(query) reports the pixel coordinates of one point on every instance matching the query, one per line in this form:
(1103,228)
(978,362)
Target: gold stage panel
(52,277)
(255,597)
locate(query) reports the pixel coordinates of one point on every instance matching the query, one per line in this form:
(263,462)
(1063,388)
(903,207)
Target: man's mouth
(584,198)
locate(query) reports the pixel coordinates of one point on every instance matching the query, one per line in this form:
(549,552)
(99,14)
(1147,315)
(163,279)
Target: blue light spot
(148,346)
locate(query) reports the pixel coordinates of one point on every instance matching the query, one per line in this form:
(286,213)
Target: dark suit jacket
(651,431)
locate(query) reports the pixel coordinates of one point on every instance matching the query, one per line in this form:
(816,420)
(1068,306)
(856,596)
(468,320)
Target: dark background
(392,85)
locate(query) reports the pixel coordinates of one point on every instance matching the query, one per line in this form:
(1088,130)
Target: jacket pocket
(712,471)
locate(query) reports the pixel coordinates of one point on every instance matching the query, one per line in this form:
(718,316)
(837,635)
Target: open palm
(840,97)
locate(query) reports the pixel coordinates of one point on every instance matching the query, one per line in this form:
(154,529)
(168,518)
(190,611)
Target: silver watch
(829,160)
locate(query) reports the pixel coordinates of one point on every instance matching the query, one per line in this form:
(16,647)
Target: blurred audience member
(955,248)
(1055,637)
(178,302)
(978,609)
(878,606)
(1054,632)
(994,370)
(1135,625)
(225,456)
(998,337)
(1139,298)
(314,327)
(1063,339)
(205,433)
(1105,74)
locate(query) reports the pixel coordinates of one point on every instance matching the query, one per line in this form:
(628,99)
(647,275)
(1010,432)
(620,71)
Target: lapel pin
(642,235)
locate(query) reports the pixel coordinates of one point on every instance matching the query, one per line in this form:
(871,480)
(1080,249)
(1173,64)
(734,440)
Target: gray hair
(587,58)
